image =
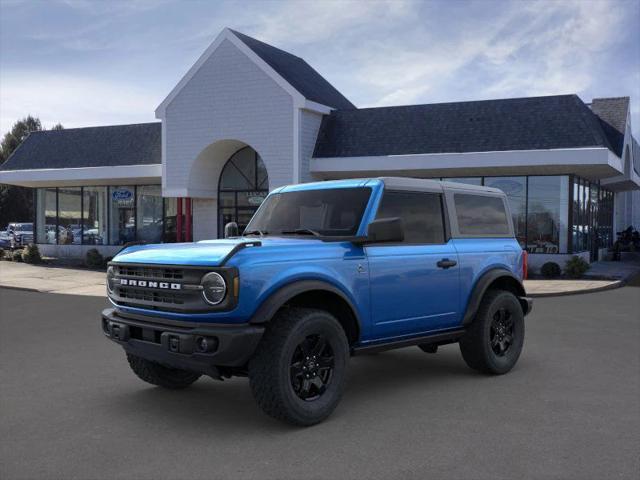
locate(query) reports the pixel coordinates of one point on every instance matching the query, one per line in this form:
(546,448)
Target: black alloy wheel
(501,332)
(312,367)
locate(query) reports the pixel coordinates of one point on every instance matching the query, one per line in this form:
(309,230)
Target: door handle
(446,263)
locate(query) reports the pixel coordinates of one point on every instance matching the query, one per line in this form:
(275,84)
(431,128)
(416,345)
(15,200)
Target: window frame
(443,212)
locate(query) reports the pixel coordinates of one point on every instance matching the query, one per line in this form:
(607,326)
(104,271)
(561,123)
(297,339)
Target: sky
(102,62)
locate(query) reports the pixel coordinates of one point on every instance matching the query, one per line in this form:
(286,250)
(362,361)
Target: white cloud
(73,101)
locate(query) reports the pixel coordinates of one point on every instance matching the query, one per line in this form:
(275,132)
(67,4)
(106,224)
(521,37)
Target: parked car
(324,271)
(5,239)
(19,234)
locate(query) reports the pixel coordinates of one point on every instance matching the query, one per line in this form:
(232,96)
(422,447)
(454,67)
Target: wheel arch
(497,278)
(314,294)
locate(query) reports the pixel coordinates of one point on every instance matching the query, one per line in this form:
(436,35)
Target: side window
(421,215)
(481,215)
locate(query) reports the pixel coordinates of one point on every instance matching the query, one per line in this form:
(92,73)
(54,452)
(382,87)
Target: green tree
(16,203)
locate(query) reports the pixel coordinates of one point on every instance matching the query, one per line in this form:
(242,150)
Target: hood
(205,253)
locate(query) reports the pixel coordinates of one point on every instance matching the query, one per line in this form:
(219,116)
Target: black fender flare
(481,287)
(277,299)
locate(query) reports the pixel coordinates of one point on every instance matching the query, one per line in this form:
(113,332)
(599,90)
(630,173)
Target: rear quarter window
(480,215)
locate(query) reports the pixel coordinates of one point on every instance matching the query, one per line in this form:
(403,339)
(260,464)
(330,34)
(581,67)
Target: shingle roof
(298,73)
(533,123)
(613,116)
(89,147)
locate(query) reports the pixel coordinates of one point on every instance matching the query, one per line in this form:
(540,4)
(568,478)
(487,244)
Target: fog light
(205,344)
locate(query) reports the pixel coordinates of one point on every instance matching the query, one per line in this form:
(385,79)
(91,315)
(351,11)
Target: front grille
(150,295)
(158,291)
(165,287)
(150,272)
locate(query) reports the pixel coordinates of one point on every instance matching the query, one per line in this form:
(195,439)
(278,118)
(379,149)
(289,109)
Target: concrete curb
(24,289)
(612,286)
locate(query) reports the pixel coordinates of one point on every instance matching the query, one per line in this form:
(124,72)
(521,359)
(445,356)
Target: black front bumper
(179,344)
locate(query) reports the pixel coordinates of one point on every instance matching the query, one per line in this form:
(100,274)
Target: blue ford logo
(122,194)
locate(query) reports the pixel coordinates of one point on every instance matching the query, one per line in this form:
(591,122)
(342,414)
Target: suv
(324,271)
(19,234)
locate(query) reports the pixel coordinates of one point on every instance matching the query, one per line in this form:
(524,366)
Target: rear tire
(298,371)
(494,340)
(156,374)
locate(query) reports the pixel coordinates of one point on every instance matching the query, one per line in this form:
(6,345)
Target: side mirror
(385,230)
(231,230)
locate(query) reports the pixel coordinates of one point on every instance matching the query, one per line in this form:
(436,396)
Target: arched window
(244,184)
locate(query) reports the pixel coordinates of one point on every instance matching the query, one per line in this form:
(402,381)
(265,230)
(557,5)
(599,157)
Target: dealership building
(249,117)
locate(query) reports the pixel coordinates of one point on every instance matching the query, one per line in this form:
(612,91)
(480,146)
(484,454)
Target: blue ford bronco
(322,272)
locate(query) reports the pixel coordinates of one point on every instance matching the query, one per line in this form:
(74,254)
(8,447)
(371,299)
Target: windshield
(322,212)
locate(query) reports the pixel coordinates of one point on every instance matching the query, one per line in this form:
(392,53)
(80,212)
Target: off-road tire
(270,369)
(476,344)
(156,374)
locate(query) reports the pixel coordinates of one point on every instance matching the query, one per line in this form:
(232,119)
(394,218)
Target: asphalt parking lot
(70,407)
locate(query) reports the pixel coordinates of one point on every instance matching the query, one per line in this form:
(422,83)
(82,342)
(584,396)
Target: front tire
(156,374)
(495,338)
(298,371)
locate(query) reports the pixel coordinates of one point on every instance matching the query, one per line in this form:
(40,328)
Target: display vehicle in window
(324,271)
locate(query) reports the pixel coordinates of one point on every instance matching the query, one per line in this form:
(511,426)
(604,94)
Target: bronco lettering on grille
(144,283)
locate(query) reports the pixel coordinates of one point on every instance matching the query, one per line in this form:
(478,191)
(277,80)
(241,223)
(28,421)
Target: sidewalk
(72,281)
(553,288)
(75,281)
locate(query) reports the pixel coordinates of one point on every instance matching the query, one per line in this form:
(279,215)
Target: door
(414,284)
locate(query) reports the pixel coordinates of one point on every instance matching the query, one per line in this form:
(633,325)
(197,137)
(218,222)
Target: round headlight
(214,288)
(110,279)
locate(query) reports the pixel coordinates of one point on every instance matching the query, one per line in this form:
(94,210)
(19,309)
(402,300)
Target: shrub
(550,270)
(16,256)
(31,254)
(576,267)
(1,253)
(94,259)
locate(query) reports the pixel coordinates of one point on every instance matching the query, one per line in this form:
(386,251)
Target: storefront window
(122,218)
(46,215)
(70,216)
(149,214)
(547,217)
(516,190)
(94,216)
(170,220)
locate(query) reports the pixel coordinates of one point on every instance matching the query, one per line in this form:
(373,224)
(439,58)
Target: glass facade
(111,215)
(149,213)
(94,214)
(556,213)
(47,215)
(69,216)
(244,184)
(547,214)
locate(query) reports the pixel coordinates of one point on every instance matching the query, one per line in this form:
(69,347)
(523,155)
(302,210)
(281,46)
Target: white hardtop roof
(429,184)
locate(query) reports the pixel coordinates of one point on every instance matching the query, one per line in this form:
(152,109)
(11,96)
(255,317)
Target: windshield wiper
(254,232)
(302,231)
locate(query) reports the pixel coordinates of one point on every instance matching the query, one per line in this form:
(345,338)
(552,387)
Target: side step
(437,338)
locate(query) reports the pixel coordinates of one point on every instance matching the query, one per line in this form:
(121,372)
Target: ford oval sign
(122,194)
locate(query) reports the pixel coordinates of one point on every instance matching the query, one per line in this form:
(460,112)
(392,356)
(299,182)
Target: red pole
(187,220)
(179,221)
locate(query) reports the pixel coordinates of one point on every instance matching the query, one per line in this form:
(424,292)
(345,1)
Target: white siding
(309,126)
(229,97)
(205,219)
